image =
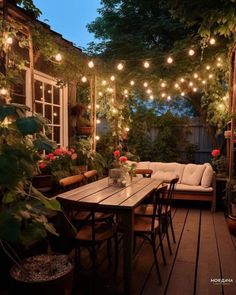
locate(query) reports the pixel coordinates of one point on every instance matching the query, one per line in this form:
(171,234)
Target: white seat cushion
(192,188)
(193,174)
(143,165)
(160,167)
(164,175)
(207,175)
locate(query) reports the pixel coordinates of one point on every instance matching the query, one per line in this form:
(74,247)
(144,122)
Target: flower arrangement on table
(218,161)
(59,163)
(121,167)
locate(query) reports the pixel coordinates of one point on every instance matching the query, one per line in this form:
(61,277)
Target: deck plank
(208,262)
(227,253)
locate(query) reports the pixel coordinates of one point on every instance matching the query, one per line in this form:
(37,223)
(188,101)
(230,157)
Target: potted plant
(80,117)
(230,205)
(23,209)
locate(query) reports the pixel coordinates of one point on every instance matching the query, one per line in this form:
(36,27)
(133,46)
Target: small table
(99,196)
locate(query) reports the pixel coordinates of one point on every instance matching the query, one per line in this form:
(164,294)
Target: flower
(123,159)
(122,163)
(215,153)
(58,163)
(116,153)
(218,161)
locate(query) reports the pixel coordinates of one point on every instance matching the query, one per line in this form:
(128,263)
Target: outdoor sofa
(196,181)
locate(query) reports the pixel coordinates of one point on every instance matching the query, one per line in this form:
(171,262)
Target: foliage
(218,161)
(29,7)
(122,163)
(23,209)
(105,147)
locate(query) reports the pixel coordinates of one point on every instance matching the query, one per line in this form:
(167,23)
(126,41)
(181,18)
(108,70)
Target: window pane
(48,112)
(56,134)
(56,115)
(18,90)
(39,108)
(48,93)
(38,90)
(56,95)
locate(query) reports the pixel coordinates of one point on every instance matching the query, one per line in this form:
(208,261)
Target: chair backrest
(71,181)
(167,201)
(145,172)
(90,175)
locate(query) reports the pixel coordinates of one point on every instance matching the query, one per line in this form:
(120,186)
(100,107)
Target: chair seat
(103,231)
(143,224)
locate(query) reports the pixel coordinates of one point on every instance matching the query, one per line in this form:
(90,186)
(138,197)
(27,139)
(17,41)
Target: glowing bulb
(182,94)
(100,93)
(151,97)
(219,59)
(125,91)
(98,121)
(120,66)
(225,98)
(149,91)
(109,89)
(176,85)
(114,111)
(210,76)
(195,89)
(89,107)
(3,91)
(212,41)
(145,84)
(9,40)
(208,67)
(168,97)
(163,94)
(112,78)
(221,106)
(131,83)
(146,64)
(127,129)
(84,79)
(191,52)
(170,60)
(195,75)
(204,82)
(97,106)
(218,64)
(55,114)
(163,84)
(97,137)
(182,80)
(104,82)
(58,57)
(190,84)
(90,64)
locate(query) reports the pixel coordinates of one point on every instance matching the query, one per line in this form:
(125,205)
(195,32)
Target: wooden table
(99,196)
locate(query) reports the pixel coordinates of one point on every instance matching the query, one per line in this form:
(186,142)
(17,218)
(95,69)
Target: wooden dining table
(102,197)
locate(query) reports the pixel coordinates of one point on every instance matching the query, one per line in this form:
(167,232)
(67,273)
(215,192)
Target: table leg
(128,221)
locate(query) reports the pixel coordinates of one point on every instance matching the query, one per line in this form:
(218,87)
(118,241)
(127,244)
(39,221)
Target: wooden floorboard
(227,253)
(208,260)
(183,274)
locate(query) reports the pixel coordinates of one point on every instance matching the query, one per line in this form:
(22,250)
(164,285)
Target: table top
(101,194)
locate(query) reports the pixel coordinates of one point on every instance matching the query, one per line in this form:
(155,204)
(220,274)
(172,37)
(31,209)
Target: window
(18,94)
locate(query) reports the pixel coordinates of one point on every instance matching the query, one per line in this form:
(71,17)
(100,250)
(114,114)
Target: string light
(190,84)
(168,97)
(210,76)
(182,94)
(127,129)
(163,84)
(97,106)
(84,79)
(120,66)
(145,84)
(151,97)
(55,114)
(204,82)
(90,64)
(100,93)
(98,121)
(114,111)
(195,75)
(221,106)
(104,82)
(89,107)
(208,67)
(126,91)
(9,40)
(131,83)
(97,137)
(163,94)
(3,91)
(149,91)
(225,98)
(191,52)
(112,78)
(219,59)
(146,64)
(212,41)
(58,57)
(182,80)
(170,60)
(109,89)
(176,85)
(218,65)
(195,89)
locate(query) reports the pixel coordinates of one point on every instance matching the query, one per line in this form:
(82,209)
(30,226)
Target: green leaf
(9,197)
(10,227)
(29,125)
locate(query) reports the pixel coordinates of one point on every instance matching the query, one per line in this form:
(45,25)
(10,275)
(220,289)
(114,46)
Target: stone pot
(44,274)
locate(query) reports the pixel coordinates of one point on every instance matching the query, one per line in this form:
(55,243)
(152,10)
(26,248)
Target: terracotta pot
(43,183)
(231,221)
(57,284)
(86,130)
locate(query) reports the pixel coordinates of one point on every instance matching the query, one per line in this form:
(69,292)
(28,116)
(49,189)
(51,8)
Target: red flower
(123,159)
(215,153)
(116,153)
(51,156)
(58,152)
(42,165)
(74,156)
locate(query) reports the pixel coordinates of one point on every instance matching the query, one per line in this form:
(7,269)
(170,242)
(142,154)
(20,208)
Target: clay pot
(231,221)
(43,183)
(88,130)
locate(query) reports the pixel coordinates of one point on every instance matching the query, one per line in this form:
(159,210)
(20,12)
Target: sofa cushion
(164,175)
(193,174)
(207,175)
(143,165)
(192,188)
(175,168)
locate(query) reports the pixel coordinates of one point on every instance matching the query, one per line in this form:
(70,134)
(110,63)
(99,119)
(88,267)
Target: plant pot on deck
(231,221)
(43,275)
(86,130)
(43,183)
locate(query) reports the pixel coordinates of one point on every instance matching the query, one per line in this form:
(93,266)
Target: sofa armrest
(213,204)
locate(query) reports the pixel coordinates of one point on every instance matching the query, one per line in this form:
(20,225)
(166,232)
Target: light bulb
(58,57)
(151,97)
(112,78)
(176,85)
(84,79)
(190,84)
(145,84)
(208,67)
(182,80)
(3,91)
(195,89)
(127,129)
(204,82)
(221,106)
(182,94)
(97,137)
(9,40)
(210,76)
(104,82)
(89,107)
(191,52)
(90,64)
(109,89)
(212,41)
(163,94)
(146,64)
(100,93)
(98,121)
(219,59)
(170,60)
(125,91)
(120,66)
(114,111)
(195,75)
(218,65)
(131,83)
(163,84)
(168,97)
(149,91)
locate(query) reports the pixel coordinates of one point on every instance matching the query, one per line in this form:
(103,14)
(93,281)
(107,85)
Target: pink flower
(72,150)
(215,153)
(58,152)
(42,165)
(123,159)
(116,153)
(74,156)
(51,156)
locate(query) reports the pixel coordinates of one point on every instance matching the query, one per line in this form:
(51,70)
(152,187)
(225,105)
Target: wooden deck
(204,253)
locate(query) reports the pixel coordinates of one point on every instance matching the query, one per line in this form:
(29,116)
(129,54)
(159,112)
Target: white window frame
(63,101)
